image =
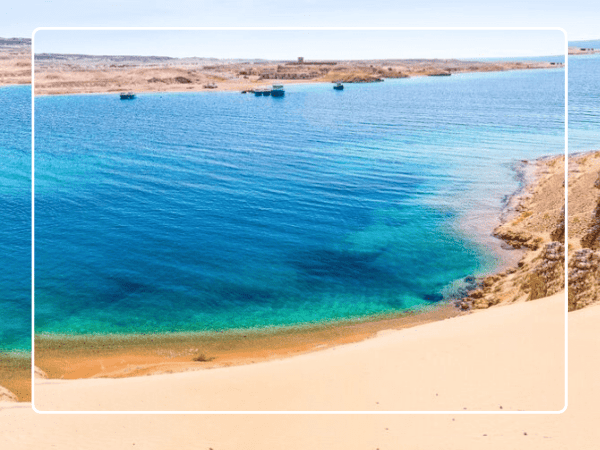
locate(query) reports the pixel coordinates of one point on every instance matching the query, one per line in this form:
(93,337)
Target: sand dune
(508,358)
(21,428)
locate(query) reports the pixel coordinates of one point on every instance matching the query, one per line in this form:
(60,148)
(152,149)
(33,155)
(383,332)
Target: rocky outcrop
(517,239)
(537,228)
(558,234)
(584,278)
(592,238)
(529,279)
(551,269)
(483,296)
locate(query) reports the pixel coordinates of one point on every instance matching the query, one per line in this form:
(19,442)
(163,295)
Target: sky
(580,18)
(311,44)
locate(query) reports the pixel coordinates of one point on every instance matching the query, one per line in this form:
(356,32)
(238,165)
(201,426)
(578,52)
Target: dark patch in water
(434,298)
(119,288)
(231,294)
(343,266)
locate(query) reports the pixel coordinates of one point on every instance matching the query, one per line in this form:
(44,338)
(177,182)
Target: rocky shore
(539,230)
(584,230)
(535,225)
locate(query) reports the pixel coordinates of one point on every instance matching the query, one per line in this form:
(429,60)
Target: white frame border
(566,324)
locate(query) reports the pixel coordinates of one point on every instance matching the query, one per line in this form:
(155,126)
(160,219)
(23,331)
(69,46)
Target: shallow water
(180,212)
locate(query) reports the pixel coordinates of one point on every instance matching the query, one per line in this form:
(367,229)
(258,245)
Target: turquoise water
(193,212)
(15,217)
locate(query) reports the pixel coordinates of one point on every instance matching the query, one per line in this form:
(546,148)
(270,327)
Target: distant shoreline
(248,89)
(58,74)
(82,74)
(573,51)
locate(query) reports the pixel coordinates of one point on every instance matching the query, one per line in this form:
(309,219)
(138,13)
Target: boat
(277,90)
(258,92)
(266,92)
(127,95)
(339,87)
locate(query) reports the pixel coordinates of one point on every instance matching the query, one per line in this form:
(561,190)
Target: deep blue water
(191,212)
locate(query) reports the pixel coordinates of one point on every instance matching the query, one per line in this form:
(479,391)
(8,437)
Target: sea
(215,211)
(15,218)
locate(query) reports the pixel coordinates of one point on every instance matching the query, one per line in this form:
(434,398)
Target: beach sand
(15,375)
(21,428)
(489,360)
(117,356)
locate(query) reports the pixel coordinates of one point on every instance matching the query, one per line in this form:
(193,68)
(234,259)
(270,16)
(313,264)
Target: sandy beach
(21,428)
(464,363)
(118,356)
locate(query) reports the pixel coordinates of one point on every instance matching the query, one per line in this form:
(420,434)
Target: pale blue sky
(312,44)
(580,18)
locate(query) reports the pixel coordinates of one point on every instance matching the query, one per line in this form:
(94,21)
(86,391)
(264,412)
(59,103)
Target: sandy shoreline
(15,375)
(118,356)
(22,428)
(464,363)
